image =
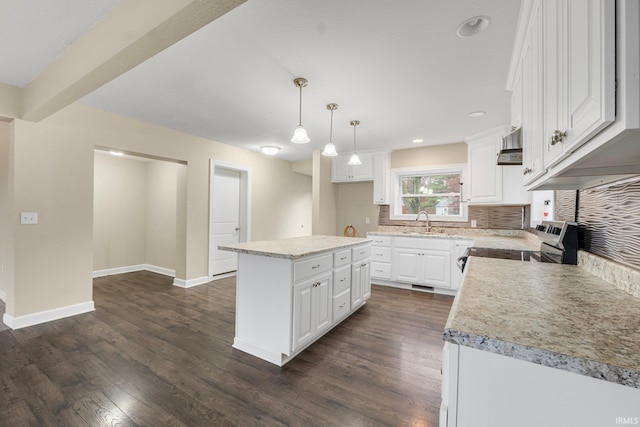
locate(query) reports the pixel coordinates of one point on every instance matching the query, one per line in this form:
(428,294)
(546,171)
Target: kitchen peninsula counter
(541,316)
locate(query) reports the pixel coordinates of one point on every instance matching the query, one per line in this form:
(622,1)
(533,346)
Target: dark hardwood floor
(156,355)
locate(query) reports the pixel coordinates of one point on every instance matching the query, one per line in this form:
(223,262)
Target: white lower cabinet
(484,389)
(417,261)
(423,261)
(311,309)
(283,305)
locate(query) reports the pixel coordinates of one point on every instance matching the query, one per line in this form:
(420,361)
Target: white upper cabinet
(574,77)
(341,171)
(579,73)
(489,183)
(532,95)
(374,167)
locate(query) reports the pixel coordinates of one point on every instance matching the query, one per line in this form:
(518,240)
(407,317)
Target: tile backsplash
(486,217)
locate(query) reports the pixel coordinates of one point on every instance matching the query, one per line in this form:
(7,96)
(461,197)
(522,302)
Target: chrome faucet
(427,215)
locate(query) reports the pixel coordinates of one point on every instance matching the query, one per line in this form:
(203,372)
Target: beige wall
(160,239)
(355,204)
(119,212)
(4,205)
(324,196)
(429,156)
(53,175)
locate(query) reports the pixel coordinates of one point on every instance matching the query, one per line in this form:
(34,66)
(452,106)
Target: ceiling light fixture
(330,148)
(300,134)
(354,160)
(473,26)
(476,114)
(417,141)
(270,150)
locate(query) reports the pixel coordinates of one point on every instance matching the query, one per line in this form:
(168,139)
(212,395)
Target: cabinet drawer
(380,254)
(361,252)
(342,258)
(381,270)
(341,279)
(435,243)
(341,305)
(312,266)
(381,240)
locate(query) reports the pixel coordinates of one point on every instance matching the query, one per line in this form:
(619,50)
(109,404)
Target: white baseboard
(181,283)
(47,315)
(3,296)
(132,268)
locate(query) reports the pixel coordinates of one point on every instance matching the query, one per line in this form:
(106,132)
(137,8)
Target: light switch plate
(474,223)
(29,218)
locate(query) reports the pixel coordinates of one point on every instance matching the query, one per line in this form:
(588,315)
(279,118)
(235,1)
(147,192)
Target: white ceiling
(398,67)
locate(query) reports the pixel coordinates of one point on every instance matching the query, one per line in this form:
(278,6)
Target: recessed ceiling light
(473,26)
(270,150)
(476,114)
(417,140)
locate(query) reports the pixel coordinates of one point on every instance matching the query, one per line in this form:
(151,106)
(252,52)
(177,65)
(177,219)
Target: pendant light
(330,148)
(354,160)
(300,134)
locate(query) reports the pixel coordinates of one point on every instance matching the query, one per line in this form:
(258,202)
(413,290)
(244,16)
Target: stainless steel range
(558,244)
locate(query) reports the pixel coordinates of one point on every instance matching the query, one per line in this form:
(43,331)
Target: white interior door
(225,213)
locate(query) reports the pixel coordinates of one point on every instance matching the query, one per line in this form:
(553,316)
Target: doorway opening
(229,214)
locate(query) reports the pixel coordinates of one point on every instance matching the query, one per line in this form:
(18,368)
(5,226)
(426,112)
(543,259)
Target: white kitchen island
(290,292)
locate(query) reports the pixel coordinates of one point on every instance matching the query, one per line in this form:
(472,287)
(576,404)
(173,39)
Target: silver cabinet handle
(558,136)
(315,266)
(526,171)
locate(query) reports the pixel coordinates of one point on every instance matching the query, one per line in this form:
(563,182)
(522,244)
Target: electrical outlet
(474,224)
(367,220)
(28,218)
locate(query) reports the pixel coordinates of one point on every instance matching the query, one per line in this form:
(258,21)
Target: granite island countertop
(551,314)
(294,247)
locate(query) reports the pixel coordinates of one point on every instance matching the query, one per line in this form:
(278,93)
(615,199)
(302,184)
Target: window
(436,191)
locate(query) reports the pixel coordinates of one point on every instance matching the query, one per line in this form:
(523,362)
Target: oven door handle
(461,262)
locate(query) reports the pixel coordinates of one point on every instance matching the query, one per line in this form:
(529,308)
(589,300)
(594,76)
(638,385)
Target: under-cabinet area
(290,292)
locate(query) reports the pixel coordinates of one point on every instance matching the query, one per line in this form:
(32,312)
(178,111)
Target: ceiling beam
(129,34)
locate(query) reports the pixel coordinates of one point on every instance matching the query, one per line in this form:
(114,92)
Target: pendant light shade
(300,134)
(330,148)
(354,160)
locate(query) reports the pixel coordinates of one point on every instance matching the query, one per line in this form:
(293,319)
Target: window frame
(395,211)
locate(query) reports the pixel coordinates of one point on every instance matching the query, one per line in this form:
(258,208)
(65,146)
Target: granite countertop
(295,247)
(550,314)
(520,241)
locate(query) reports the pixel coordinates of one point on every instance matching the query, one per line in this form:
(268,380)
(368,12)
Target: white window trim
(396,203)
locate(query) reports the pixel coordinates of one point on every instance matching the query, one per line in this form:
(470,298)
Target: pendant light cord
(300,109)
(331,128)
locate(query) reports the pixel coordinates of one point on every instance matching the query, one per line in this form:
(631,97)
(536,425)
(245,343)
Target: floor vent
(422,288)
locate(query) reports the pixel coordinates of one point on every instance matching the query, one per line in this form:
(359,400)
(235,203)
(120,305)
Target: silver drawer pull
(343,304)
(316,284)
(379,254)
(378,271)
(343,258)
(315,266)
(363,265)
(343,279)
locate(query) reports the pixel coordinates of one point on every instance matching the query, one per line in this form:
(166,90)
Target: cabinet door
(408,265)
(356,285)
(340,170)
(322,301)
(363,172)
(303,324)
(380,181)
(365,276)
(311,309)
(485,177)
(590,77)
(437,268)
(533,102)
